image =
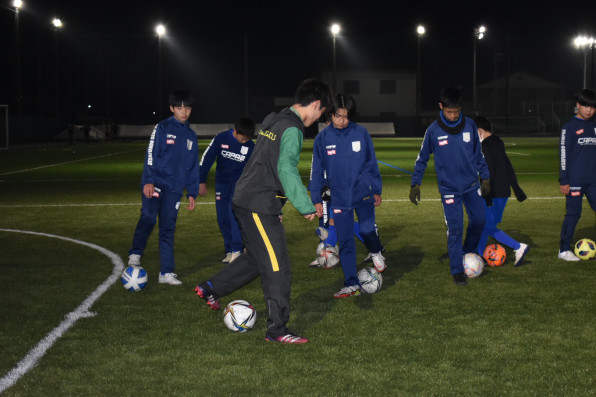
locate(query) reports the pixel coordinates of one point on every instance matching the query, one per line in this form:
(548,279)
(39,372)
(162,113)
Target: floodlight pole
(420,30)
(335,29)
(17,5)
(160,30)
(478,35)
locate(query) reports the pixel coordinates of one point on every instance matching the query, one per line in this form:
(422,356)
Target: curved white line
(82,311)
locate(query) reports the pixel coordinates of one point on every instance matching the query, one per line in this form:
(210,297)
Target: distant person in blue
(577,176)
(231,149)
(344,159)
(502,180)
(171,165)
(453,141)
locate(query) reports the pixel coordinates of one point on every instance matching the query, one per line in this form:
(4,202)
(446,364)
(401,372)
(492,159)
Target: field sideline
(528,330)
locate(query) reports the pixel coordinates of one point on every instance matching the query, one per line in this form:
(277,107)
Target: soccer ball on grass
(473,265)
(585,249)
(371,280)
(327,256)
(495,255)
(240,316)
(134,278)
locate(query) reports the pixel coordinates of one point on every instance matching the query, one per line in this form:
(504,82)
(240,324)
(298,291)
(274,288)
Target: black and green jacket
(271,175)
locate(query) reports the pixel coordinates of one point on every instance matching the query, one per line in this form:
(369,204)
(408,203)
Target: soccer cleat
(210,298)
(169,278)
(234,255)
(520,253)
(227,258)
(314,263)
(322,233)
(368,258)
(460,278)
(134,260)
(379,261)
(345,292)
(568,256)
(289,338)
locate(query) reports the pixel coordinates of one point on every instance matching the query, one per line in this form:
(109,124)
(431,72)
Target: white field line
(68,162)
(212,203)
(82,311)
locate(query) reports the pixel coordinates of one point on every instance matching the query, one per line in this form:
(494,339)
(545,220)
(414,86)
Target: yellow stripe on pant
(272,256)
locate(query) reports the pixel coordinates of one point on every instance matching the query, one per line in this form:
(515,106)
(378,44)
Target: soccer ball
(473,265)
(495,255)
(240,316)
(134,278)
(371,280)
(585,249)
(327,256)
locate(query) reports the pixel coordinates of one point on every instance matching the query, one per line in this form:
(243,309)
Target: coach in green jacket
(269,179)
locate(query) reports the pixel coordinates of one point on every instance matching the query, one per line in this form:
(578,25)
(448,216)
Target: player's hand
(191,203)
(202,189)
(415,194)
(378,200)
(310,217)
(565,189)
(485,187)
(319,208)
(148,190)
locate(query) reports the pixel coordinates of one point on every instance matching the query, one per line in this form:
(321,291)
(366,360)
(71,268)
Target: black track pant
(265,255)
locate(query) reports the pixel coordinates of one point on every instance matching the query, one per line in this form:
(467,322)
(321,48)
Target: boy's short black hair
(245,126)
(587,97)
(451,97)
(343,101)
(181,97)
(483,122)
(311,90)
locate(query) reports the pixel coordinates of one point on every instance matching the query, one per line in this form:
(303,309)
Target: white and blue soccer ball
(370,279)
(240,316)
(473,264)
(134,278)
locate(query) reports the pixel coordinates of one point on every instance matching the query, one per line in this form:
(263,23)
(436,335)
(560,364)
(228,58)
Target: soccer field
(67,327)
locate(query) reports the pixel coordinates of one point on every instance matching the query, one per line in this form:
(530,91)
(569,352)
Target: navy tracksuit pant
(454,218)
(228,225)
(573,205)
(164,205)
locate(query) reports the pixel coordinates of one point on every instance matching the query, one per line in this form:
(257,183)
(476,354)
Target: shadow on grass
(310,307)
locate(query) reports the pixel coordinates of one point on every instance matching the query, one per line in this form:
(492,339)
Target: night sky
(106,54)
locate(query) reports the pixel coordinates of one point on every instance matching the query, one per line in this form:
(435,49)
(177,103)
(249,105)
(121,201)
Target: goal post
(4,127)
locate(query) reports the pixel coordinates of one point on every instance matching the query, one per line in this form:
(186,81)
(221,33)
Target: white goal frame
(5,107)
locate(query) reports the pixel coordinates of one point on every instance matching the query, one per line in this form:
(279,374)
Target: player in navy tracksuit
(171,164)
(454,142)
(232,149)
(343,153)
(576,168)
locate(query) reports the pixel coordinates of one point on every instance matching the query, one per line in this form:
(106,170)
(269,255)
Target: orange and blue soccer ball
(494,255)
(585,249)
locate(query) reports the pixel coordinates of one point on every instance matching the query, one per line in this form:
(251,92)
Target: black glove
(485,187)
(415,194)
(326,193)
(519,194)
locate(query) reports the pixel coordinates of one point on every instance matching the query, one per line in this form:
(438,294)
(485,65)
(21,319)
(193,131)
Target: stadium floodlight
(335,29)
(421,30)
(160,30)
(584,43)
(479,33)
(57,23)
(17,4)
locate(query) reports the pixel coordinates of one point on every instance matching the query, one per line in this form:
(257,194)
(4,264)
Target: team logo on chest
(466,136)
(244,149)
(189,144)
(442,140)
(356,146)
